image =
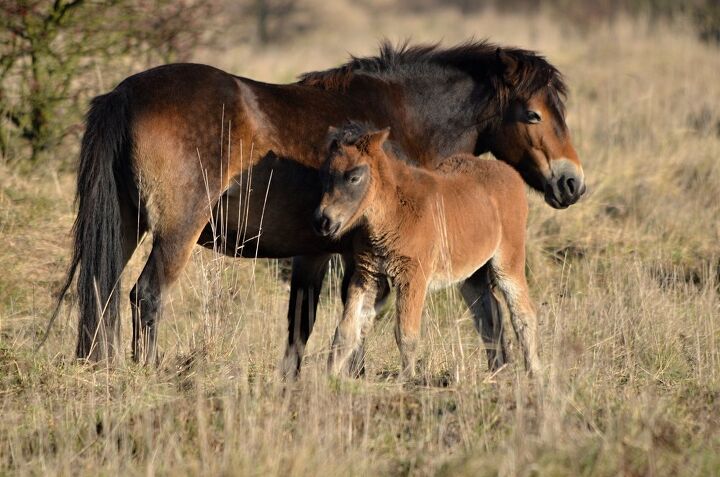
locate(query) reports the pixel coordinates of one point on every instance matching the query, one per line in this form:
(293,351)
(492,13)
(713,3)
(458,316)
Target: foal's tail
(97,249)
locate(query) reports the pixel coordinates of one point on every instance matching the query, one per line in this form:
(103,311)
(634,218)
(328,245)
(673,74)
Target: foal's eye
(533,117)
(355,176)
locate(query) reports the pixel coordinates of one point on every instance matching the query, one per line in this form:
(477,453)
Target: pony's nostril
(570,185)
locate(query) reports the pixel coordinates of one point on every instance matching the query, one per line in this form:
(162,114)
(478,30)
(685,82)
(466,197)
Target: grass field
(627,284)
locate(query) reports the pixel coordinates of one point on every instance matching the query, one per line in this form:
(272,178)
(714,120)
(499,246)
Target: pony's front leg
(355,323)
(511,280)
(410,300)
(487,315)
(306,282)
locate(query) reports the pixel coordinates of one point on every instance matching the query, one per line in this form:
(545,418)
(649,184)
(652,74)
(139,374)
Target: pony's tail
(97,249)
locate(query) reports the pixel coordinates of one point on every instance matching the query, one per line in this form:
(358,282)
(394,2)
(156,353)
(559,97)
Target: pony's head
(347,176)
(531,134)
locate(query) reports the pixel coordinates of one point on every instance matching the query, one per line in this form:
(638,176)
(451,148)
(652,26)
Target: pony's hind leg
(476,290)
(133,228)
(305,285)
(133,223)
(145,302)
(510,277)
(164,265)
(175,232)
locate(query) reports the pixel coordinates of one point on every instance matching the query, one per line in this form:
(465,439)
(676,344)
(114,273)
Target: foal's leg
(356,365)
(410,300)
(477,292)
(355,322)
(511,280)
(308,273)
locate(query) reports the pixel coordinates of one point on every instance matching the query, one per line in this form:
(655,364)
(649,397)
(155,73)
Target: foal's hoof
(535,371)
(289,368)
(356,367)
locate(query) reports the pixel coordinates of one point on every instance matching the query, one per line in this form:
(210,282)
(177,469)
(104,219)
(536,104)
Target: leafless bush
(53,51)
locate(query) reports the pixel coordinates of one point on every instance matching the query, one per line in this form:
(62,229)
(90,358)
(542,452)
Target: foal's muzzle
(324,225)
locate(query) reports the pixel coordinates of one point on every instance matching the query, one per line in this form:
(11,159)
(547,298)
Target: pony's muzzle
(324,225)
(567,186)
(571,188)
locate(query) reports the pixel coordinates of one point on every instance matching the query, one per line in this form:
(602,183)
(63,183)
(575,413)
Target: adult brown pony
(422,229)
(196,155)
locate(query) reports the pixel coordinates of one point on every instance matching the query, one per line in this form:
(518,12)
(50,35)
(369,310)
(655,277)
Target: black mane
(479,59)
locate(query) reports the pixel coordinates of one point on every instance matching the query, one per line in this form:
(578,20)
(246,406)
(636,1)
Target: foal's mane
(478,58)
(350,133)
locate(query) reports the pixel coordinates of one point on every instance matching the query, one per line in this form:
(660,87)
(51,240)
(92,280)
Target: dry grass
(627,282)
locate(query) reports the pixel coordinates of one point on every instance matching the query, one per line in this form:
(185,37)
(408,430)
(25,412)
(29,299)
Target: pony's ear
(509,66)
(378,138)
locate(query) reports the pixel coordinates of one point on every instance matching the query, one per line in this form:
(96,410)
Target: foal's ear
(509,66)
(378,138)
(331,139)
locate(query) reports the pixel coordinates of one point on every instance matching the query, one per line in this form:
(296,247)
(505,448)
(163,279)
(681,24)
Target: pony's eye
(354,179)
(533,117)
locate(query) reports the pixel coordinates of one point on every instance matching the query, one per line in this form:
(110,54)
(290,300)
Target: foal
(422,229)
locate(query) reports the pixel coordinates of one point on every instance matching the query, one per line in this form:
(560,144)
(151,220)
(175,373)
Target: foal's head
(348,176)
(532,134)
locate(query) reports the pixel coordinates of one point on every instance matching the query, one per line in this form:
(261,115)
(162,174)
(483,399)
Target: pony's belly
(250,223)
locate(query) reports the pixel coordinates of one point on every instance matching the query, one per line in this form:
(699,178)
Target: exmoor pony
(193,154)
(423,229)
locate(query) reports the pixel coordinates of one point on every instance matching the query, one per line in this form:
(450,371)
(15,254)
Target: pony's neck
(432,113)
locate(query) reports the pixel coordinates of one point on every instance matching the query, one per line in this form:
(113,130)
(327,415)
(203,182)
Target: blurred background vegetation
(56,55)
(52,50)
